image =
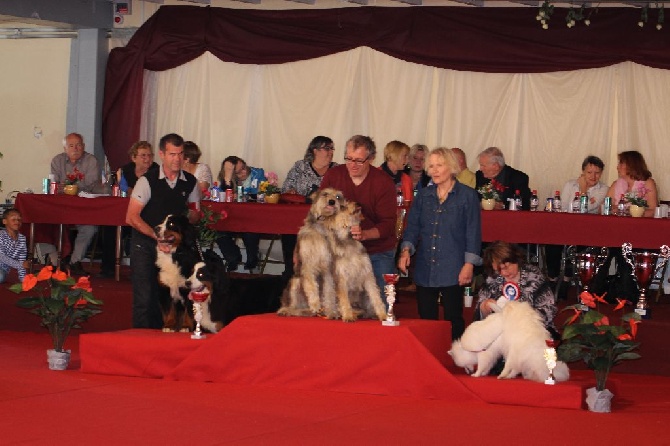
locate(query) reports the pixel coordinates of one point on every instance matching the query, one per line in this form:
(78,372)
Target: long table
(518,227)
(550,228)
(64,209)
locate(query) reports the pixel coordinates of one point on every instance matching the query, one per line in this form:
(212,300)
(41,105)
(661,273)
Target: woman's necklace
(442,196)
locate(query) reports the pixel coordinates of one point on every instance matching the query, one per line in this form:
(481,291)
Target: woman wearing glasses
(506,263)
(303,179)
(443,232)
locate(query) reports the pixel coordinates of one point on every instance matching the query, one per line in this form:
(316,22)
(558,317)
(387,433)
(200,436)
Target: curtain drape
(545,123)
(491,40)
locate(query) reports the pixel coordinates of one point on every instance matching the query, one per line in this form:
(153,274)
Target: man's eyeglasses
(353,161)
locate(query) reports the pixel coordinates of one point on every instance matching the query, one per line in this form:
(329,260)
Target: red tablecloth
(574,229)
(518,227)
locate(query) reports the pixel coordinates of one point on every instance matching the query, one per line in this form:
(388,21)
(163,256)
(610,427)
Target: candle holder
(389,290)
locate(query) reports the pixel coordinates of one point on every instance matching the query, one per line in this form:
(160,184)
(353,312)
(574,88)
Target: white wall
(33,93)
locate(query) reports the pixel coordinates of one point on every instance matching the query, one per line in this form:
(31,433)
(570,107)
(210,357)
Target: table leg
(31,246)
(60,246)
(117,260)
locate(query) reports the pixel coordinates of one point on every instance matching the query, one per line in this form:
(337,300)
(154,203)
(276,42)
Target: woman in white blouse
(200,171)
(587,183)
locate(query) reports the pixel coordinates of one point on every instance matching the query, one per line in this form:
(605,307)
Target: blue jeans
(383,263)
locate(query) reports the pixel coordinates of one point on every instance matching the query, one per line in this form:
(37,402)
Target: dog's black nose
(188,284)
(331,202)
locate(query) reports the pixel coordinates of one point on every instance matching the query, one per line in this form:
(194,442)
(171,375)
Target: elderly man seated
(492,167)
(75,161)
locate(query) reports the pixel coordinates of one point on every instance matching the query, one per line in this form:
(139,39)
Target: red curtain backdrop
(504,40)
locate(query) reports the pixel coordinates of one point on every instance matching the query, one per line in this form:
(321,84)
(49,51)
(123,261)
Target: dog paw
(167,330)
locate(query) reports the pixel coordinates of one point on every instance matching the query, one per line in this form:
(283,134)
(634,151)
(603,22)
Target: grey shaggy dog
(334,276)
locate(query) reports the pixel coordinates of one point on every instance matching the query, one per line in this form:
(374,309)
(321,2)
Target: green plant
(590,337)
(61,303)
(207,234)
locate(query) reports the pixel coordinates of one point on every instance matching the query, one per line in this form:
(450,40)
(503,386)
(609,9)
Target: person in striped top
(13,251)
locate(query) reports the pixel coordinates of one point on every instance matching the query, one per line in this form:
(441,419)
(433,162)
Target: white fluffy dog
(516,333)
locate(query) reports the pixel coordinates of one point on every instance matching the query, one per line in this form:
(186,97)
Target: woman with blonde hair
(443,232)
(396,154)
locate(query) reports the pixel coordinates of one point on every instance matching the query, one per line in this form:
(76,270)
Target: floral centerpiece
(271,185)
(209,217)
(74,177)
(61,303)
(589,336)
(637,196)
(491,190)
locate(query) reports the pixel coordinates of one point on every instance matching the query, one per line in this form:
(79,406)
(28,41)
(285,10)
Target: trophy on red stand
(389,290)
(198,299)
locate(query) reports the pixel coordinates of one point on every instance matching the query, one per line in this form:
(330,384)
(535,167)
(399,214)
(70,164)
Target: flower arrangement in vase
(490,193)
(270,188)
(61,303)
(72,180)
(589,336)
(636,197)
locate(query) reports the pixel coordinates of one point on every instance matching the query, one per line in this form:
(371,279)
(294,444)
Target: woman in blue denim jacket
(443,233)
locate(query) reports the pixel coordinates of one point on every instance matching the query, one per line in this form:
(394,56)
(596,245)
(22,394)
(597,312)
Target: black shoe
(76,269)
(231,267)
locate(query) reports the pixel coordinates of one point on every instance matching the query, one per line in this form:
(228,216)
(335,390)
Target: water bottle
(399,198)
(575,203)
(123,185)
(214,192)
(534,201)
(557,201)
(517,200)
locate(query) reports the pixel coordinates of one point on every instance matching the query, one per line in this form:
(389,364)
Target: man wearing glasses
(375,192)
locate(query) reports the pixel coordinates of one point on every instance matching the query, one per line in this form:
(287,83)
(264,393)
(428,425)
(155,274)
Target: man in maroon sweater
(375,192)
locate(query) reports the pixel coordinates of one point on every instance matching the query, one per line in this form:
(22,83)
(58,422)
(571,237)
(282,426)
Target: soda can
(46,186)
(549,206)
(53,187)
(115,190)
(229,195)
(240,194)
(607,206)
(584,204)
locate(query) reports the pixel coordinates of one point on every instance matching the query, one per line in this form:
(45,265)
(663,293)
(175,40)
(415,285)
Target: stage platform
(317,354)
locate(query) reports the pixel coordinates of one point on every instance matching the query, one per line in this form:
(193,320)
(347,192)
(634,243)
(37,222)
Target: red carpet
(315,354)
(39,406)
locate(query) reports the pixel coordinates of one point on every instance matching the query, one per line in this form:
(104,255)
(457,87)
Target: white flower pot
(58,360)
(599,400)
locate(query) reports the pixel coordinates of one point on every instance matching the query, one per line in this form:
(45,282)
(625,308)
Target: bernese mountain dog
(176,255)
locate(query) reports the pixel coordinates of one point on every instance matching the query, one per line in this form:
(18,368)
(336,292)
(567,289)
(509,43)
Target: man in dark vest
(160,192)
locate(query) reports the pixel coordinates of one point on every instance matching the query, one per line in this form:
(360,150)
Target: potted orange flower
(61,303)
(589,336)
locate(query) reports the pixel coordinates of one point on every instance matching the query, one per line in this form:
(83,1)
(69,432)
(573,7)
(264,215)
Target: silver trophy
(389,290)
(644,266)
